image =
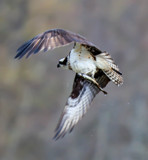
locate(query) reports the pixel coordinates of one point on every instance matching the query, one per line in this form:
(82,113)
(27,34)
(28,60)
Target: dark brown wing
(49,40)
(78,103)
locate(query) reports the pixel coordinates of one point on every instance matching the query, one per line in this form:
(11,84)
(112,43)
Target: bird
(93,70)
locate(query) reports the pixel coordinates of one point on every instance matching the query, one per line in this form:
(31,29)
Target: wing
(49,40)
(78,103)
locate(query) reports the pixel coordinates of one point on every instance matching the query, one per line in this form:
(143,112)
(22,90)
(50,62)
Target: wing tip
(21,55)
(18,56)
(61,130)
(59,134)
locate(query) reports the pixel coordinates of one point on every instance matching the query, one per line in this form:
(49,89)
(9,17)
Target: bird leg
(94,81)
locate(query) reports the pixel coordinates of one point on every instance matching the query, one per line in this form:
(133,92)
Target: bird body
(94,69)
(81,61)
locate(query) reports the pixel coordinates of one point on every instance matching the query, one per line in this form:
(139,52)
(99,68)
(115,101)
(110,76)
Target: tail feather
(114,76)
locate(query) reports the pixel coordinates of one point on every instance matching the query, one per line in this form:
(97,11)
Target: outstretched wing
(49,40)
(78,102)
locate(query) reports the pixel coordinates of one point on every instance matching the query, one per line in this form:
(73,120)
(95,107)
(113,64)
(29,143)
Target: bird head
(63,63)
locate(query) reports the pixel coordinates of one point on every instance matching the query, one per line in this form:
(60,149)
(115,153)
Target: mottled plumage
(94,69)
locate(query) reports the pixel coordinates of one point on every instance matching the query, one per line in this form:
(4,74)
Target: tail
(114,76)
(111,71)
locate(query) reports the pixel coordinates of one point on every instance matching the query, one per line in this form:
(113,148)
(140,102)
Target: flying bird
(93,67)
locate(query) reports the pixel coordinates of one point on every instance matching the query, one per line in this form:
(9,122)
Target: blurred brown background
(33,91)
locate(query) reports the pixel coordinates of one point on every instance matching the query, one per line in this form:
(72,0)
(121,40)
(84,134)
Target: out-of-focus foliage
(33,91)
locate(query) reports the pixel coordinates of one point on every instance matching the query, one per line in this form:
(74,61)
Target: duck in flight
(93,68)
